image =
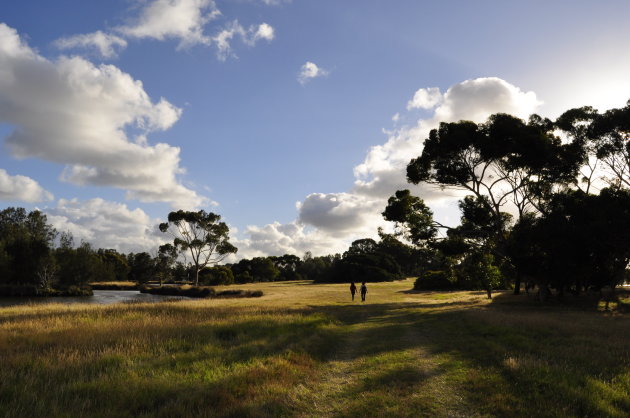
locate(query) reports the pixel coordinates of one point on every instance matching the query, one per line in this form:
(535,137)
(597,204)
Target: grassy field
(307,350)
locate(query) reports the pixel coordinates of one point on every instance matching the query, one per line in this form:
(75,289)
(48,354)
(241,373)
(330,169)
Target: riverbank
(35,291)
(114,286)
(200,292)
(308,350)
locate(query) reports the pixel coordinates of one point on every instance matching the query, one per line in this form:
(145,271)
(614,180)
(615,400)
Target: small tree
(166,257)
(200,235)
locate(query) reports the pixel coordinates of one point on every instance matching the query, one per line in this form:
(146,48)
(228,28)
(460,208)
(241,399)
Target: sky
(292,119)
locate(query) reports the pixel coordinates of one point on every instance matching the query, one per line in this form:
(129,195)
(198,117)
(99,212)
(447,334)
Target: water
(100,297)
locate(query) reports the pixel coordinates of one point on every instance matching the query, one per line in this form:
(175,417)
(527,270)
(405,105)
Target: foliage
(289,266)
(435,280)
(363,262)
(199,235)
(582,241)
(478,271)
(25,245)
(217,275)
(257,269)
(142,267)
(413,219)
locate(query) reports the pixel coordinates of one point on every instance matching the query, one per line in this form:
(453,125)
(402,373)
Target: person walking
(363,291)
(353,290)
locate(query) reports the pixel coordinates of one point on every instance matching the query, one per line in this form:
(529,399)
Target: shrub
(435,280)
(216,276)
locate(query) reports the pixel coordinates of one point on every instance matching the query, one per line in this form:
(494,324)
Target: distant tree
(217,275)
(317,268)
(27,241)
(114,262)
(142,267)
(166,257)
(201,236)
(78,266)
(361,247)
(289,266)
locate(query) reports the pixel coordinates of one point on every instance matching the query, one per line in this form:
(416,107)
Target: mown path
(383,365)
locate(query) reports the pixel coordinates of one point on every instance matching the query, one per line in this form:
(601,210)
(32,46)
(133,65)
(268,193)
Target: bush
(189,291)
(435,280)
(199,292)
(216,276)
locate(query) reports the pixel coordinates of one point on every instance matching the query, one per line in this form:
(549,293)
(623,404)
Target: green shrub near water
(35,291)
(200,292)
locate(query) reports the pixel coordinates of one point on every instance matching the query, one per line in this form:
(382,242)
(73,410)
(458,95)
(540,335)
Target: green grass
(306,350)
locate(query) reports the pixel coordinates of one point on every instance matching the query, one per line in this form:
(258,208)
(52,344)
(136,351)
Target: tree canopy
(200,236)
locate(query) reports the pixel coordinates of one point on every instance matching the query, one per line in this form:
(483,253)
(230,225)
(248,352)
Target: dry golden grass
(307,350)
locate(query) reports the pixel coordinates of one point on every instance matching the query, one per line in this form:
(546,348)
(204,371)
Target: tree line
(544,203)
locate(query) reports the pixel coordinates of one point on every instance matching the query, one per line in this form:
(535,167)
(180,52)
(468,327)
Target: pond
(100,297)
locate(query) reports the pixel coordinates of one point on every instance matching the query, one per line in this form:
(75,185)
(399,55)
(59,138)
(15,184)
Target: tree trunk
(197,277)
(517,283)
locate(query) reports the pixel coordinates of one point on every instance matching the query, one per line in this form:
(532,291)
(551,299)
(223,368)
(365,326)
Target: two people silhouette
(353,290)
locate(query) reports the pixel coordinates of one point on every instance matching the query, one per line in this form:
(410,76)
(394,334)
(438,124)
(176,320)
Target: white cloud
(249,36)
(21,188)
(183,20)
(105,43)
(173,19)
(107,225)
(384,169)
(339,213)
(309,71)
(425,99)
(327,223)
(75,113)
(292,238)
(263,31)
(478,98)
(275,2)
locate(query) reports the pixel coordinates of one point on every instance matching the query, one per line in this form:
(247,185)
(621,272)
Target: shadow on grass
(587,301)
(508,358)
(507,362)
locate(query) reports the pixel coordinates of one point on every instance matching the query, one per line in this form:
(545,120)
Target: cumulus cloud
(425,99)
(327,223)
(106,224)
(384,168)
(75,113)
(21,188)
(309,71)
(339,213)
(292,238)
(105,43)
(249,36)
(477,99)
(173,19)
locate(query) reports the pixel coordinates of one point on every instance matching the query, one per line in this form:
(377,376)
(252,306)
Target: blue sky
(293,164)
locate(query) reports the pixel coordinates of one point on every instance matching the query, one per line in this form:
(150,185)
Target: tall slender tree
(201,236)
